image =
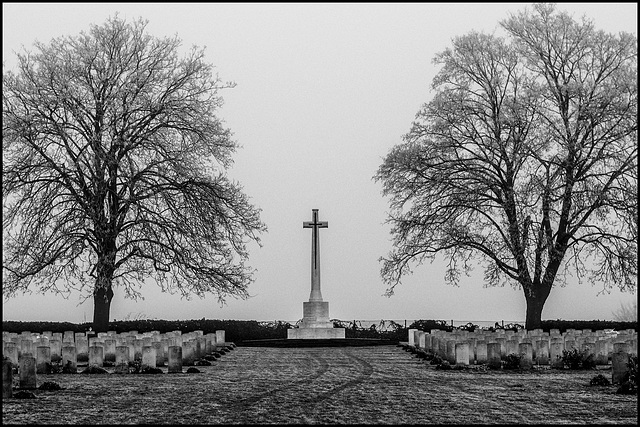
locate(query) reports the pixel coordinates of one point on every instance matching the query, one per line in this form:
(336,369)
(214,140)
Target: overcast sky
(324,91)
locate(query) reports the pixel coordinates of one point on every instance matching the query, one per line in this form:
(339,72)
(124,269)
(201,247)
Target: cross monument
(316,295)
(315,312)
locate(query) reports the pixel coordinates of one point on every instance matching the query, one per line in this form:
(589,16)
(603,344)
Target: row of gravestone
(533,347)
(148,351)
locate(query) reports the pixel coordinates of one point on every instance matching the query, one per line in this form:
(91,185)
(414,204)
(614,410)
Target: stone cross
(316,295)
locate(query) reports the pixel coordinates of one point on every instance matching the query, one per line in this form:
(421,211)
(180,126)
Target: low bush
(575,359)
(436,360)
(599,380)
(443,365)
(512,361)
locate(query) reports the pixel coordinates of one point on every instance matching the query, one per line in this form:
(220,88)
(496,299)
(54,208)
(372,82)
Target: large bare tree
(525,160)
(114,171)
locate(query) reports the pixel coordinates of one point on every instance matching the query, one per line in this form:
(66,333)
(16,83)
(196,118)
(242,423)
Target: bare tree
(627,313)
(114,171)
(525,160)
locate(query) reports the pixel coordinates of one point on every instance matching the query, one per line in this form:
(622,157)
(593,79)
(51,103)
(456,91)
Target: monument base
(314,333)
(315,323)
(315,314)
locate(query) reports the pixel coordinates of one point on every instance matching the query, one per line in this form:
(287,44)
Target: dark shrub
(436,360)
(575,359)
(599,380)
(512,361)
(443,365)
(49,385)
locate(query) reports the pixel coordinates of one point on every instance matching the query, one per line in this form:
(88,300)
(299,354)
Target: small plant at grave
(135,366)
(444,366)
(93,369)
(68,368)
(49,385)
(436,360)
(629,383)
(575,359)
(599,380)
(421,354)
(24,394)
(480,368)
(150,370)
(55,367)
(512,361)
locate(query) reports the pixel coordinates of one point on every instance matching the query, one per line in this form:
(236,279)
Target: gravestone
(122,359)
(525,349)
(451,351)
(481,352)
(96,356)
(555,353)
(82,348)
(148,357)
(220,337)
(43,359)
(315,321)
(422,340)
(511,347)
(7,378)
(175,359)
(411,336)
(69,359)
(109,350)
(494,355)
(11,352)
(27,372)
(619,367)
(503,345)
(157,346)
(188,352)
(462,353)
(542,352)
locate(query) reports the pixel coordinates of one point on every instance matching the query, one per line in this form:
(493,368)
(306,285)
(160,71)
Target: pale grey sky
(324,91)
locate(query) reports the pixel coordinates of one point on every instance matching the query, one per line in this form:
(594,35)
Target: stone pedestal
(315,333)
(316,314)
(315,323)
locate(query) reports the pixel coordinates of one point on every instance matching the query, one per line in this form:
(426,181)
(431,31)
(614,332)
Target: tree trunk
(102,304)
(535,303)
(102,294)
